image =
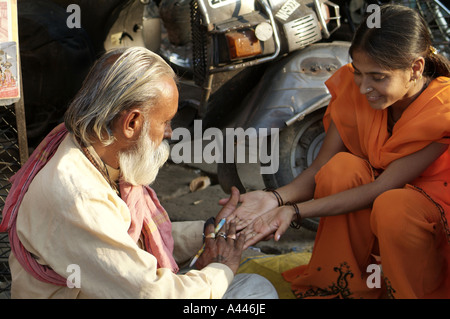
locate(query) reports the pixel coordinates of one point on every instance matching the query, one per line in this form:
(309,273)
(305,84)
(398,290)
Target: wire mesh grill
(302,32)
(9,164)
(199,45)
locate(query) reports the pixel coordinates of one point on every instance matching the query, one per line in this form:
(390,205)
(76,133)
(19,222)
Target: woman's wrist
(296,220)
(275,196)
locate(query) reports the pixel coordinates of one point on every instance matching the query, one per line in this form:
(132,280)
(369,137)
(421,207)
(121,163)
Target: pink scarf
(148,217)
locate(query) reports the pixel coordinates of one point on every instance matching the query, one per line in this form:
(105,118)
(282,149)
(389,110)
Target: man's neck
(112,172)
(107,153)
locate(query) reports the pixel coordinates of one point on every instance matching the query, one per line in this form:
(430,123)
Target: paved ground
(172,187)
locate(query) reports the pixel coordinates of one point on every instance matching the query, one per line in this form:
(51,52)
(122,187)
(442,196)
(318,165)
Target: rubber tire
(299,145)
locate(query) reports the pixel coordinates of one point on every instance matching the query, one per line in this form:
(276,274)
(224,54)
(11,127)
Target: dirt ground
(172,187)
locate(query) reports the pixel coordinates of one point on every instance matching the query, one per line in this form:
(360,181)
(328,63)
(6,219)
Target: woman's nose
(364,86)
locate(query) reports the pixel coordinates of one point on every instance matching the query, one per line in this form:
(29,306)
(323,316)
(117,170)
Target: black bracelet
(278,196)
(297,223)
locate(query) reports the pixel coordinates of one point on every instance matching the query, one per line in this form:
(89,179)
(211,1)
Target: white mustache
(141,165)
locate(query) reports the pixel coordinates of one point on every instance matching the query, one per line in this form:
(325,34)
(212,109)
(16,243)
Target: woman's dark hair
(401,38)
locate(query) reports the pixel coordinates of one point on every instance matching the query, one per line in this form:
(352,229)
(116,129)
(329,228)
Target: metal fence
(13,152)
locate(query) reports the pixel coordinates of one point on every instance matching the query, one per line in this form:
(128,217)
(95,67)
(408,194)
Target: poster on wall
(9,53)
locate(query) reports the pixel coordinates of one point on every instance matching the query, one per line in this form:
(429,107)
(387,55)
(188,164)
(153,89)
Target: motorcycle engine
(236,31)
(299,22)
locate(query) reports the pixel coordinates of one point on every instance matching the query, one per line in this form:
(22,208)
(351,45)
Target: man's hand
(225,248)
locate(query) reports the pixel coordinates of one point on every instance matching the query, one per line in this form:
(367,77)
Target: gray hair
(120,80)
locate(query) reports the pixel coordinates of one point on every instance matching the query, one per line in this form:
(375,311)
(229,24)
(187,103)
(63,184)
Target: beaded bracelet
(298,218)
(277,195)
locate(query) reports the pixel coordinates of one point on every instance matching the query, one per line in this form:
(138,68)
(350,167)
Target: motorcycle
(250,64)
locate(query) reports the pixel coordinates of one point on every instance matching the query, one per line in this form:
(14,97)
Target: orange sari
(406,229)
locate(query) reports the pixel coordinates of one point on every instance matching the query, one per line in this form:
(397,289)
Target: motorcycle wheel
(299,146)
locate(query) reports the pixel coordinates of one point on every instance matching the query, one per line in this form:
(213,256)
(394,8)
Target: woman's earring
(419,78)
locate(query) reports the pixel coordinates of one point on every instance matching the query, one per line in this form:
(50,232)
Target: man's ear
(131,123)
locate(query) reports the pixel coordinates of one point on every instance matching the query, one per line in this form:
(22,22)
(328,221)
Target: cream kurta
(70,215)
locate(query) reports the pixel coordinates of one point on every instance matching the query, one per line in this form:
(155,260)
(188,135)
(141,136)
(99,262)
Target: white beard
(140,165)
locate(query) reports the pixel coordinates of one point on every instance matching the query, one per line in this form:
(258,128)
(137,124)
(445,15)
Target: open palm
(253,205)
(271,224)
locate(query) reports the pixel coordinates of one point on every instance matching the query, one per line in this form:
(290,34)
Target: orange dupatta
(364,131)
(365,134)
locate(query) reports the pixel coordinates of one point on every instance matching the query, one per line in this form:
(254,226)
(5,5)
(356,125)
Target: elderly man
(81,219)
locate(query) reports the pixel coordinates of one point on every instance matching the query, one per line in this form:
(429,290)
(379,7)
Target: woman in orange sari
(380,181)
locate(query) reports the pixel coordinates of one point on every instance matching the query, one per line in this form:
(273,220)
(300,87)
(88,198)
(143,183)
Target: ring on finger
(233,236)
(222,234)
(211,235)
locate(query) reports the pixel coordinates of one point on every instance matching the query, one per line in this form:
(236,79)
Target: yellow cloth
(271,267)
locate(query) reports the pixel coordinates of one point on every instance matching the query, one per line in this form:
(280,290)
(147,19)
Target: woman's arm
(396,175)
(302,187)
(256,203)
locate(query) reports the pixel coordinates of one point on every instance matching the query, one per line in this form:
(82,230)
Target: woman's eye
(379,77)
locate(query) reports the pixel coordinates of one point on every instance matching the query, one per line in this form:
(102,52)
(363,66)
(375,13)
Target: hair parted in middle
(402,37)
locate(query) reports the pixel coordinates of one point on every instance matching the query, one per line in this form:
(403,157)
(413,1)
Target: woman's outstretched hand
(272,224)
(253,205)
(229,205)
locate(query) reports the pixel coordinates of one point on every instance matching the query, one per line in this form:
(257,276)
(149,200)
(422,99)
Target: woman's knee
(387,211)
(343,171)
(401,213)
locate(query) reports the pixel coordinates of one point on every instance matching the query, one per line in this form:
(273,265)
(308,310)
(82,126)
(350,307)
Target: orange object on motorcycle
(243,44)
